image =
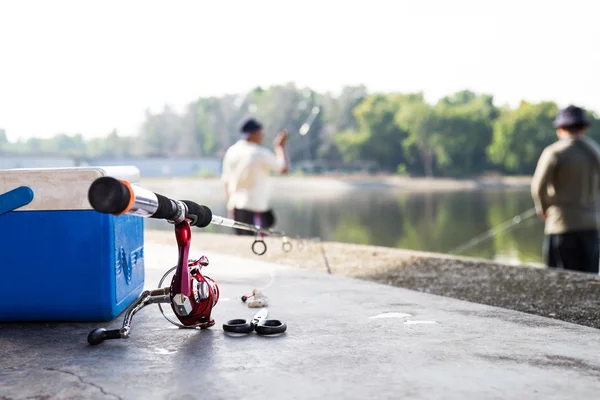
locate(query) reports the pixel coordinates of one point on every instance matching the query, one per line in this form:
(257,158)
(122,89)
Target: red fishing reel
(192,295)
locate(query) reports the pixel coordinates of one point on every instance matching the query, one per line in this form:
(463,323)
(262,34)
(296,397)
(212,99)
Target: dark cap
(571,116)
(251,125)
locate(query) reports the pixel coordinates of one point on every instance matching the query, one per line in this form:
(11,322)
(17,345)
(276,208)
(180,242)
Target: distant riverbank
(328,184)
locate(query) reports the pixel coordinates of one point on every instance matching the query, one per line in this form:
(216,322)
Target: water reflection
(437,222)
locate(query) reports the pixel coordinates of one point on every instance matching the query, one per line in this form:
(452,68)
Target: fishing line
(504,226)
(301,245)
(324,256)
(271,281)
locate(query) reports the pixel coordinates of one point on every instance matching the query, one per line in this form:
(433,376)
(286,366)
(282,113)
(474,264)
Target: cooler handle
(15,198)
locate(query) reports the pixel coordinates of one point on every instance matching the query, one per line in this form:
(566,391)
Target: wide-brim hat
(571,116)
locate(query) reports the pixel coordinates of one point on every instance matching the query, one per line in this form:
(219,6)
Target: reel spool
(194,272)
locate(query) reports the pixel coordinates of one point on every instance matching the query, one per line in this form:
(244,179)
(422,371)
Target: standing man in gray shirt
(566,192)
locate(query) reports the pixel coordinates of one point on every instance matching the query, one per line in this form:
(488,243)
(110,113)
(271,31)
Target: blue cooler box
(60,260)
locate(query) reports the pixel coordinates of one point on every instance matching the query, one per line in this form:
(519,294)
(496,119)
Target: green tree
(466,128)
(520,135)
(594,129)
(151,136)
(377,137)
(423,125)
(34,145)
(111,145)
(207,118)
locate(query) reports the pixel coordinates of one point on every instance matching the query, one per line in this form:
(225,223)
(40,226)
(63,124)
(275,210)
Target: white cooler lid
(61,188)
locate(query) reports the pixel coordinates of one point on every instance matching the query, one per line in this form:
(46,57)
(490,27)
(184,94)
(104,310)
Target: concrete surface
(332,349)
(554,293)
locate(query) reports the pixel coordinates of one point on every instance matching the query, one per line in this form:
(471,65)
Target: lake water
(430,221)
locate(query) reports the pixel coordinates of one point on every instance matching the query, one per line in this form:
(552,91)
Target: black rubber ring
(271,327)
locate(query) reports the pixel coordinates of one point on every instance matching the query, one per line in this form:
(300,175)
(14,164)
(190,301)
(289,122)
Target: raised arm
(283,165)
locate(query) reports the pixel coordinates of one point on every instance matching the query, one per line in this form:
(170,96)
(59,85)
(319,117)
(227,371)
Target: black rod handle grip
(201,216)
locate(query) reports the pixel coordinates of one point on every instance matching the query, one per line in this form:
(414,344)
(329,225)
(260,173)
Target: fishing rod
(111,196)
(504,226)
(311,118)
(304,129)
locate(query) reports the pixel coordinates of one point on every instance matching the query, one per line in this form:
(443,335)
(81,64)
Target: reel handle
(99,335)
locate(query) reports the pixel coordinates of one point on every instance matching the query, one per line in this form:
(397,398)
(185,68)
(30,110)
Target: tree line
(463,134)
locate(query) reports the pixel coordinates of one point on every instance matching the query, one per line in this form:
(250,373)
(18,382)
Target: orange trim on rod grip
(131,197)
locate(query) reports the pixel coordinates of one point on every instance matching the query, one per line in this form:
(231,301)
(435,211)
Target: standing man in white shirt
(246,169)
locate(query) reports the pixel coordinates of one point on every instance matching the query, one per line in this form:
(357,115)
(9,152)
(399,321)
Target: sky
(93,66)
